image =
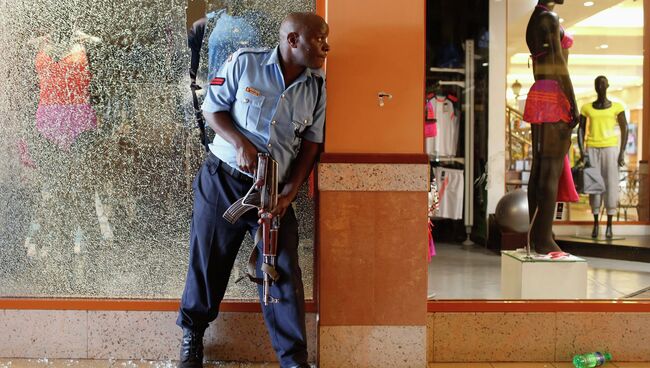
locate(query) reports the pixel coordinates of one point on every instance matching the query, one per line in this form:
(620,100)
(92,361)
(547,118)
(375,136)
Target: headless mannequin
(551,140)
(601,103)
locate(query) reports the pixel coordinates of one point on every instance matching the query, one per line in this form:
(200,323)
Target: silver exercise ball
(512,211)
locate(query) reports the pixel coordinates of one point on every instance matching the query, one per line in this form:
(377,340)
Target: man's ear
(292,39)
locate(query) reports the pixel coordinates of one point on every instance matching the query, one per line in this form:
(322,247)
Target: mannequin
(602,149)
(551,110)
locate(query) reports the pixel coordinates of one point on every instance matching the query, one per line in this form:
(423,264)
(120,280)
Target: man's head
(303,39)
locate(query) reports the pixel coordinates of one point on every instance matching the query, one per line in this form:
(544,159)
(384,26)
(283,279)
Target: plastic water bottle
(591,360)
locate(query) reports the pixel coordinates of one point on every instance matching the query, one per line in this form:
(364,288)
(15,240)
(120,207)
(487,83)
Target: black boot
(191,349)
(594,232)
(608,230)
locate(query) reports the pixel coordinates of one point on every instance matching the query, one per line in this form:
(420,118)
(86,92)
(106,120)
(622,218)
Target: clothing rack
(460,84)
(447,70)
(443,160)
(467,106)
(469,140)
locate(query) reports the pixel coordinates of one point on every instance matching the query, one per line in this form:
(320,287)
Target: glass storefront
(100,147)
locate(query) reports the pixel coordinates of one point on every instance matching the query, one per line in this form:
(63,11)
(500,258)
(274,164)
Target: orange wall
(383,50)
(372,260)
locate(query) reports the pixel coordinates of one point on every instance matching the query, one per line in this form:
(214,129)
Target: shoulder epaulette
(246,50)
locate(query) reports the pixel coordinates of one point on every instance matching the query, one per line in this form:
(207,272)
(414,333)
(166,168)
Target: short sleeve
(583,110)
(223,87)
(315,133)
(618,108)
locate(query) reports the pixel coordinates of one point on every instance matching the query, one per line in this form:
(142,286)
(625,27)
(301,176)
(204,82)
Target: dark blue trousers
(214,244)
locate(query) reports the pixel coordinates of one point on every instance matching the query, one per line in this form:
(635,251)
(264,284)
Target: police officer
(260,101)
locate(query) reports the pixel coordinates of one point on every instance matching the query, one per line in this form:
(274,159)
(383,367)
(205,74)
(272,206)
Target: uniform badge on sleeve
(218,81)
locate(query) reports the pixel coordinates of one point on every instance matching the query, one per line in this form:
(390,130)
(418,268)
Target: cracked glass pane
(100,146)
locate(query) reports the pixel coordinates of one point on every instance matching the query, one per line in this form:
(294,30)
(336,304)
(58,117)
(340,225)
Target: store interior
(608,41)
(608,38)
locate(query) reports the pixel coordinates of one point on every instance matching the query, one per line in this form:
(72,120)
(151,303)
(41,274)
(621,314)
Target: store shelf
(460,160)
(447,70)
(452,83)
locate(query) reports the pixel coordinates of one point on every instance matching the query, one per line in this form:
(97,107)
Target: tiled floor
(64,363)
(531,365)
(459,272)
(61,363)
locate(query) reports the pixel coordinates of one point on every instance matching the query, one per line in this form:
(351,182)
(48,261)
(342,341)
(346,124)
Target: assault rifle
(198,114)
(262,195)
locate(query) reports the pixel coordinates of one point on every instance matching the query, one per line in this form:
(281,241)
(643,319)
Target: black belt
(238,175)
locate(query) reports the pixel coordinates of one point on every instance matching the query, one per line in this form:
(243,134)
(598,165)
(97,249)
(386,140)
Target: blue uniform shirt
(274,117)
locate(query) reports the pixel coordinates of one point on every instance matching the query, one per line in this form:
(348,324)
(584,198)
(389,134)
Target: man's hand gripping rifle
(263,195)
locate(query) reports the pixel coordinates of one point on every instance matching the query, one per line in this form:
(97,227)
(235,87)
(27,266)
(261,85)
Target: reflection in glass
(99,147)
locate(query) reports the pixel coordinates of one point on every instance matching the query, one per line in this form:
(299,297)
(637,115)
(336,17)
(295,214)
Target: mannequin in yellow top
(604,149)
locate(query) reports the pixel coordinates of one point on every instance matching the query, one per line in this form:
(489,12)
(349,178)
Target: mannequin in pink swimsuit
(551,109)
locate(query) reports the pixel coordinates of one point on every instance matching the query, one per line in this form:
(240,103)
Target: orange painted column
(373,182)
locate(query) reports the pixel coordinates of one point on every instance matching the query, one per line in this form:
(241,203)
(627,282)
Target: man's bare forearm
(301,167)
(222,124)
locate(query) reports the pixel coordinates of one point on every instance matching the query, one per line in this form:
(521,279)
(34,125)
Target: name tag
(253,91)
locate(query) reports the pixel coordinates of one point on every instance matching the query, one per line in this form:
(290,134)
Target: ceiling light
(561,20)
(485,64)
(604,46)
(588,3)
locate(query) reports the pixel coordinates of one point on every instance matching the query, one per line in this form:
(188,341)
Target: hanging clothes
(451,190)
(445,140)
(64,110)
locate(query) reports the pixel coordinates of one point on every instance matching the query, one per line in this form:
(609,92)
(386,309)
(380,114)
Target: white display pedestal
(542,278)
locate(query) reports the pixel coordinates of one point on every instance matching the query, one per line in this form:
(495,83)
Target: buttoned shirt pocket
(250,107)
(301,121)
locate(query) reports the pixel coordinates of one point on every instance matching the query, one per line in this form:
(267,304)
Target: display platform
(631,248)
(540,277)
(599,239)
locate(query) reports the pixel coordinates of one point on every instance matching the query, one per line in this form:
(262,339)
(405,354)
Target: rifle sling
(252,263)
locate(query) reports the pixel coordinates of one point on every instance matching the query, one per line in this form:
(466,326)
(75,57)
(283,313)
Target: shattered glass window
(99,145)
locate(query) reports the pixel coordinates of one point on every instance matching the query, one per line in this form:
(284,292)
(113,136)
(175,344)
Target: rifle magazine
(241,206)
